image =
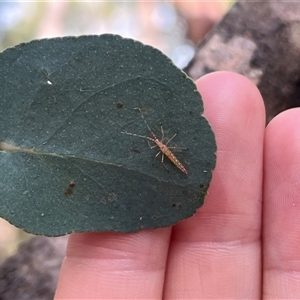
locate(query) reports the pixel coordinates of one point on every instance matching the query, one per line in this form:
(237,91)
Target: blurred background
(175,27)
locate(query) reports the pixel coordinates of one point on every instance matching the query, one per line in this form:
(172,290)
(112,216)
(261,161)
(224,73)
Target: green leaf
(66,164)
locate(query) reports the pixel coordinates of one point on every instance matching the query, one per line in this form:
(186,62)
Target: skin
(242,244)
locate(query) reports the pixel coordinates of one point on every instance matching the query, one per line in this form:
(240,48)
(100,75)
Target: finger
(282,207)
(114,266)
(216,253)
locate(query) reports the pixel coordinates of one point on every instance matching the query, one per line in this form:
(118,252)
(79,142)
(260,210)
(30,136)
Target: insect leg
(177,148)
(162,160)
(156,157)
(151,147)
(162,133)
(171,139)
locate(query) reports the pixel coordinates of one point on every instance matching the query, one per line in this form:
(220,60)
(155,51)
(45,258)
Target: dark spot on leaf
(176,205)
(135,150)
(201,186)
(154,217)
(191,112)
(119,105)
(68,192)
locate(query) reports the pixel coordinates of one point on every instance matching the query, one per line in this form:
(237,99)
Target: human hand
(242,244)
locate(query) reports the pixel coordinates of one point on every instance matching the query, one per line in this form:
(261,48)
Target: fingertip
(234,92)
(282,132)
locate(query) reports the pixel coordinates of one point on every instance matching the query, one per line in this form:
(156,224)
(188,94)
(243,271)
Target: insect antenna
(134,134)
(146,123)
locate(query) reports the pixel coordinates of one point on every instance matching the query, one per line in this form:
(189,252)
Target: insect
(164,149)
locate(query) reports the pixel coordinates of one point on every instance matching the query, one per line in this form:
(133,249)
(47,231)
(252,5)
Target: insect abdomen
(167,152)
(176,162)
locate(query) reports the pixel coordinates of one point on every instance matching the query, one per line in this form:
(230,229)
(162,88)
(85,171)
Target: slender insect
(164,149)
